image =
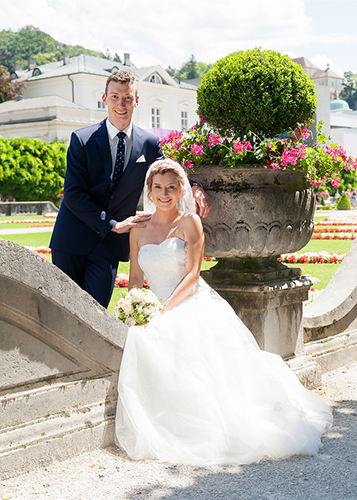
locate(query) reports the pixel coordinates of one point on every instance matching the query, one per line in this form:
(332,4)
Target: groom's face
(121,100)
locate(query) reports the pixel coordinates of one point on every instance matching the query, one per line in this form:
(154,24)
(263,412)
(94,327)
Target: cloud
(167,33)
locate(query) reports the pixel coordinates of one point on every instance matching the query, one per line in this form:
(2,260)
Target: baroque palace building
(66,95)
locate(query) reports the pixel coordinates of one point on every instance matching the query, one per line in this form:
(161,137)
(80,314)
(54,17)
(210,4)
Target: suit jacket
(90,208)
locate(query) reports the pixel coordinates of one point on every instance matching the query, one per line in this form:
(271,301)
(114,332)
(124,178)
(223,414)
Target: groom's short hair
(122,76)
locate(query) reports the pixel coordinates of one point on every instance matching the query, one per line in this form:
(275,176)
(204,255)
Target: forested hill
(30,41)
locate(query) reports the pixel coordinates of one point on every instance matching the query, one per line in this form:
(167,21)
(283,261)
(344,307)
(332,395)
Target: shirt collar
(113,131)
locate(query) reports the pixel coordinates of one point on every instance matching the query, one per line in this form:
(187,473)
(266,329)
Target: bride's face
(165,190)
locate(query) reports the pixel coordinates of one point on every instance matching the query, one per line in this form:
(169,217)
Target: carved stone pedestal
(268,297)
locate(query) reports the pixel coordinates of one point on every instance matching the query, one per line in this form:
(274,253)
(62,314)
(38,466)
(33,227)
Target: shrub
(256,91)
(343,203)
(31,170)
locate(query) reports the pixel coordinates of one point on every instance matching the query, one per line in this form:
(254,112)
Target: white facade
(78,84)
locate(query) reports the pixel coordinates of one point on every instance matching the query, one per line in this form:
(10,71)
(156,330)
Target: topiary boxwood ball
(259,91)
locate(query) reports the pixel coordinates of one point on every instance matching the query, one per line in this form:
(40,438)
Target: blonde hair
(163,167)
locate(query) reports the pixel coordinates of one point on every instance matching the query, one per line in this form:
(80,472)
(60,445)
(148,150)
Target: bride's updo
(163,167)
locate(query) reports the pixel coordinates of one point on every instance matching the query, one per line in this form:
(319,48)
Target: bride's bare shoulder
(191,223)
(137,233)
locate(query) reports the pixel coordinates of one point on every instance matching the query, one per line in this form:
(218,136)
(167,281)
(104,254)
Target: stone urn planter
(257,214)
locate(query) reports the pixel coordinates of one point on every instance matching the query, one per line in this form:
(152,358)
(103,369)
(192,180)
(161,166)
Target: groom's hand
(203,201)
(133,221)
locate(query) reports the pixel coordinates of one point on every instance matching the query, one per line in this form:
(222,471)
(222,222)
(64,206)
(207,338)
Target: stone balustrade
(27,207)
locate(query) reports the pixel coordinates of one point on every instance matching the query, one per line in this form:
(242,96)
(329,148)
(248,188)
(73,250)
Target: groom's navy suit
(90,208)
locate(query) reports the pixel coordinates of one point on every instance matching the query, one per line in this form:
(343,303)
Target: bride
(194,387)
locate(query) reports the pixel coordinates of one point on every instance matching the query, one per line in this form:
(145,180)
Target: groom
(106,168)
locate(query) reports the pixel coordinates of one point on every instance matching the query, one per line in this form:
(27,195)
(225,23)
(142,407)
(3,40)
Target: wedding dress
(195,388)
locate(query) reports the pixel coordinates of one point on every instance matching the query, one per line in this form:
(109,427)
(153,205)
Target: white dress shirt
(113,142)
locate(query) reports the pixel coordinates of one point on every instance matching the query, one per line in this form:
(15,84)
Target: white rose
(120,302)
(150,296)
(127,308)
(148,310)
(142,295)
(130,321)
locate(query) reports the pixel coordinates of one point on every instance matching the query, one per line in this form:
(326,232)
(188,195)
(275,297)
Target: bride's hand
(133,221)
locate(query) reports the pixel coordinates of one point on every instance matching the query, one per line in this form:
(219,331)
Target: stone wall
(60,354)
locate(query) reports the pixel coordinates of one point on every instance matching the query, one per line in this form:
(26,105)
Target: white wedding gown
(195,388)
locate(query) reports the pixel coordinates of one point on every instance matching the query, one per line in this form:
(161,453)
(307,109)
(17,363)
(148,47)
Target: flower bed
(27,221)
(122,281)
(40,250)
(347,221)
(312,258)
(343,229)
(329,236)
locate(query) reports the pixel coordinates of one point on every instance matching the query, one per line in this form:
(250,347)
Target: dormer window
(36,72)
(155,78)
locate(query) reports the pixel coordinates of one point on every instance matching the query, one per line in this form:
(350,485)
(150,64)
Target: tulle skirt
(195,388)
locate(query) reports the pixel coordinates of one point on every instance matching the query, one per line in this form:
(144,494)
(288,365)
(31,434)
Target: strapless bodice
(163,265)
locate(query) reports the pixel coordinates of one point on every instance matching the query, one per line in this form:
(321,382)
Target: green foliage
(349,90)
(190,69)
(8,89)
(343,203)
(30,41)
(348,180)
(256,91)
(31,170)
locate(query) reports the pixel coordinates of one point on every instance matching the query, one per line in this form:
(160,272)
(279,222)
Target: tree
(349,90)
(9,89)
(30,41)
(171,71)
(189,70)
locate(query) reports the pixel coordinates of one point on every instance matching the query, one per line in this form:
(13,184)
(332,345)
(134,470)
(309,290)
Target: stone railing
(27,207)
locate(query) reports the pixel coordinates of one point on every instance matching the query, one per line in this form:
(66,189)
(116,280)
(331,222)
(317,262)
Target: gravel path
(110,474)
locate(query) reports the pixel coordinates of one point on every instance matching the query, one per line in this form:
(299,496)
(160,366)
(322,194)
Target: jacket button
(112,197)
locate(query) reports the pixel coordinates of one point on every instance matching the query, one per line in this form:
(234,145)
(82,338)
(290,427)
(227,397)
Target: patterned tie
(119,162)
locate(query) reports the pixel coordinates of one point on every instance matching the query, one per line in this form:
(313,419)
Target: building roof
(339,104)
(77,64)
(327,73)
(94,66)
(37,103)
(305,63)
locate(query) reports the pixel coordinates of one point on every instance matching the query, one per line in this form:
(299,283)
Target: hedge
(31,170)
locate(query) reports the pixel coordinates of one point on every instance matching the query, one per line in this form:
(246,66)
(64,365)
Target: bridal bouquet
(138,307)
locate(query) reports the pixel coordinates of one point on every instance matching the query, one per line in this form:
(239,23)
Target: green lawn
(323,272)
(30,239)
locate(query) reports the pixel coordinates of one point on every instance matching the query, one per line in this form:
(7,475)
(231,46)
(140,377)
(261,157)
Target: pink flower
(214,139)
(239,147)
(202,119)
(197,149)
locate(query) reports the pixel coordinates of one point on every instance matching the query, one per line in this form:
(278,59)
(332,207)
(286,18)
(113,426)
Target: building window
(184,120)
(155,78)
(100,105)
(155,118)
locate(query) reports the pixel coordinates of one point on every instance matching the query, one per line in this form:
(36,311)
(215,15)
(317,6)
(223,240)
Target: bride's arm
(136,277)
(194,247)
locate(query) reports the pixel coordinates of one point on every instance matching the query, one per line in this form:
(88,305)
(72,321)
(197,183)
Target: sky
(167,32)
